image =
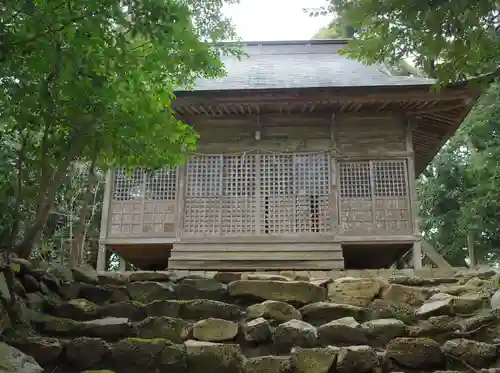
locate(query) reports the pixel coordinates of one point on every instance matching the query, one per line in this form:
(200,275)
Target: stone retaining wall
(78,320)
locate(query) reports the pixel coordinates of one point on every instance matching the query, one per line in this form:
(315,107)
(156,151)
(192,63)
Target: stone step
(84,310)
(158,354)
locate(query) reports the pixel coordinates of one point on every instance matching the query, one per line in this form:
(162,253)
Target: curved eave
(434,115)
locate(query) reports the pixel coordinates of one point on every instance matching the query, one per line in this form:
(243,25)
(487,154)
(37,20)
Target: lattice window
(312,190)
(204,176)
(276,174)
(355,180)
(311,176)
(239,175)
(276,194)
(128,185)
(286,193)
(161,184)
(238,204)
(390,178)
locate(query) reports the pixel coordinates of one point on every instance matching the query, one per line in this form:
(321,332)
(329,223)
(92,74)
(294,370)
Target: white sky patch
(262,20)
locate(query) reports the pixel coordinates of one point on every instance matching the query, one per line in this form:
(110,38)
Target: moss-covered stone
(109,328)
(14,361)
(415,353)
(355,291)
(43,350)
(173,329)
(76,309)
(56,325)
(286,291)
(132,310)
(168,308)
(149,291)
(200,288)
(215,330)
(103,294)
(217,357)
(155,353)
(87,352)
(319,313)
(200,309)
(85,273)
(385,309)
(5,322)
(272,309)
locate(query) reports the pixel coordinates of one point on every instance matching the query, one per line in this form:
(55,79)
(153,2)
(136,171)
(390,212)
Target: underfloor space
(371,256)
(260,256)
(153,257)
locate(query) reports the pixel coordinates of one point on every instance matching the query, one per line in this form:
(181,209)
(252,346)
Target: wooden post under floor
(412,185)
(417,254)
(101,258)
(122,267)
(101,253)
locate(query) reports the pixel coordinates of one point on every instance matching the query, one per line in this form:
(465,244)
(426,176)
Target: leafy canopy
(93,81)
(448,39)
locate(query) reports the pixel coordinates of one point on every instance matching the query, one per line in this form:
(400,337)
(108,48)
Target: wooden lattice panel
(294,193)
(238,203)
(374,198)
(143,203)
(259,194)
(392,210)
(312,193)
(202,202)
(276,194)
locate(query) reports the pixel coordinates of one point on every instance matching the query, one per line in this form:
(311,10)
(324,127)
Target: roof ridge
(285,42)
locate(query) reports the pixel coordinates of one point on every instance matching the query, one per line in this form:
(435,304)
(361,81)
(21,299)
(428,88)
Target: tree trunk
(78,241)
(48,192)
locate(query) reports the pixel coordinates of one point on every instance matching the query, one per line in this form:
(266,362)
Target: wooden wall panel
(279,133)
(369,135)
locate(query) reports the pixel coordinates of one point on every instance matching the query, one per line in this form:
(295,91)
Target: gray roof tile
(301,64)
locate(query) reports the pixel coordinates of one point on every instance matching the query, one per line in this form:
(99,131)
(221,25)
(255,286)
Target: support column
(122,267)
(417,254)
(101,253)
(412,185)
(101,258)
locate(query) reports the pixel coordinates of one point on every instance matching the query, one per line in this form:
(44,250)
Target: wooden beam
(438,108)
(434,256)
(343,94)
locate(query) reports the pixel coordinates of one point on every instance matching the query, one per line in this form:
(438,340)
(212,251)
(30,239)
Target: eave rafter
(434,115)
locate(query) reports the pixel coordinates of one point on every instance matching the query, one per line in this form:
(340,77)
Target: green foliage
(448,39)
(93,81)
(335,30)
(459,190)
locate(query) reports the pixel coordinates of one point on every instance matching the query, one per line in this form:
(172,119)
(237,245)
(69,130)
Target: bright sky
(260,20)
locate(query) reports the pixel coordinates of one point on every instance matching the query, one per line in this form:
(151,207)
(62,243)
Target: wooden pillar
(122,267)
(101,253)
(470,246)
(180,194)
(101,258)
(412,185)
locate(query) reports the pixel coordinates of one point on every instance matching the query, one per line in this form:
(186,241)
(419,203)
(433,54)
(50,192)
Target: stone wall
(78,320)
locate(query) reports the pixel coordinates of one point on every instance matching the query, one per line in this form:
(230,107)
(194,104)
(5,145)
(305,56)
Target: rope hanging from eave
(268,151)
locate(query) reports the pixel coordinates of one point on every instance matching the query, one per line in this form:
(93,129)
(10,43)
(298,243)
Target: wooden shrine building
(306,160)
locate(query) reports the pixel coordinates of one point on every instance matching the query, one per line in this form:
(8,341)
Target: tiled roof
(301,64)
